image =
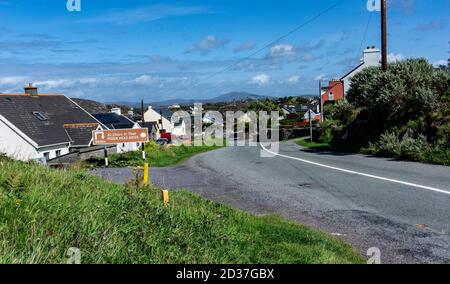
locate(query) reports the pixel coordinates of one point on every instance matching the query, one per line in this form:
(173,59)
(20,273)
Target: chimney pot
(31,90)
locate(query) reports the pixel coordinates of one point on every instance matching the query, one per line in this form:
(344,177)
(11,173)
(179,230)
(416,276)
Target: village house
(162,118)
(43,127)
(337,88)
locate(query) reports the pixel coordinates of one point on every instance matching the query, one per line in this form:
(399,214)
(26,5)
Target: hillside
(45,212)
(97,107)
(225,98)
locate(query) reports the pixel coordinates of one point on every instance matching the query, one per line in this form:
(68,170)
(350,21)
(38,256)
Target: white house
(41,126)
(371,57)
(161,117)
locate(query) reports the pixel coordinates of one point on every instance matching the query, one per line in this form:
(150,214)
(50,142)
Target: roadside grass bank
(406,150)
(44,212)
(156,156)
(305,142)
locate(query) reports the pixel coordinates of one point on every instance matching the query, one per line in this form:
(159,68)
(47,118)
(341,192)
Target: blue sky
(119,50)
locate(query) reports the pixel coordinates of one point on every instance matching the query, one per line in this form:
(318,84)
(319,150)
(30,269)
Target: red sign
(108,137)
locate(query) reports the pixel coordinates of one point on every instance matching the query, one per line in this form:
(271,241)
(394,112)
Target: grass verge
(156,156)
(44,212)
(305,142)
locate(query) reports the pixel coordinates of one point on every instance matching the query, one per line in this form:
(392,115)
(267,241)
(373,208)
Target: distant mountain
(225,98)
(97,107)
(235,96)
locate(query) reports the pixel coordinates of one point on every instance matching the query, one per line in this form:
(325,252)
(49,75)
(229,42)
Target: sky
(116,51)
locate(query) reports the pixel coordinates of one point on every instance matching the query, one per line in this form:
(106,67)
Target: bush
(415,149)
(403,113)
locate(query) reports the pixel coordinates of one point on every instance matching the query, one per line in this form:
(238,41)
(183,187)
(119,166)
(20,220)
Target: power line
(279,39)
(365,33)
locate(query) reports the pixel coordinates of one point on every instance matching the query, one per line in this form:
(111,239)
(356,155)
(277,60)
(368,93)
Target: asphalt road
(402,208)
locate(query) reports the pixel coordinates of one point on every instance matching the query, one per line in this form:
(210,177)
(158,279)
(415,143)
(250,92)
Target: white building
(41,126)
(161,117)
(371,57)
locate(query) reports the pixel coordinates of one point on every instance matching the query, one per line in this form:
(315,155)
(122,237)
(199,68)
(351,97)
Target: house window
(47,155)
(331,97)
(58,153)
(39,115)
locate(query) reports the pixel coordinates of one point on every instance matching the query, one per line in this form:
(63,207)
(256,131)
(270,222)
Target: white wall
(152,115)
(64,149)
(372,57)
(180,130)
(15,146)
(129,147)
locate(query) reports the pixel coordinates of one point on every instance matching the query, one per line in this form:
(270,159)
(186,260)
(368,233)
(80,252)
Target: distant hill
(236,96)
(97,107)
(225,98)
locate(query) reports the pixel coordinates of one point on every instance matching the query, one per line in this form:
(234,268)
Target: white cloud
(440,63)
(282,50)
(392,57)
(261,79)
(207,44)
(15,80)
(147,80)
(319,77)
(55,84)
(293,79)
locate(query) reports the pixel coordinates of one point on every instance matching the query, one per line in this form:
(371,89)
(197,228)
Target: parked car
(162,141)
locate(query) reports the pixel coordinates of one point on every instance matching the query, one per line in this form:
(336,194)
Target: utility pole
(143,147)
(321,102)
(310,126)
(384,55)
(143,125)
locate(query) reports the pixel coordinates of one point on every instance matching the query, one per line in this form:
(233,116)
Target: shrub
(416,149)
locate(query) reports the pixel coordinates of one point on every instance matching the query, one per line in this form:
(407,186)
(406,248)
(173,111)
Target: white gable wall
(372,57)
(15,146)
(153,116)
(18,147)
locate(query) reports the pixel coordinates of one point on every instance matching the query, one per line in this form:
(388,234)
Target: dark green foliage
(264,105)
(391,111)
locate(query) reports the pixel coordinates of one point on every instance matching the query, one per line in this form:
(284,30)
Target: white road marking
(359,173)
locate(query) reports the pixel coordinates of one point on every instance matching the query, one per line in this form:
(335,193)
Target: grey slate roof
(81,135)
(150,125)
(166,113)
(114,121)
(58,111)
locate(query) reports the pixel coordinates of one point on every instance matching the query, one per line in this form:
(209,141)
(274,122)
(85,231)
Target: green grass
(44,212)
(305,142)
(156,156)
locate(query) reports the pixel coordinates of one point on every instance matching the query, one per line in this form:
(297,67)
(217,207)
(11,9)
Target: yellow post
(166,198)
(145,174)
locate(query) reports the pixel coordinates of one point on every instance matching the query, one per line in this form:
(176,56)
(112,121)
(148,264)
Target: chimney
(116,110)
(372,56)
(31,90)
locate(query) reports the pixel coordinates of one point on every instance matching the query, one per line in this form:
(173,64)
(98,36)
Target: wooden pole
(384,52)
